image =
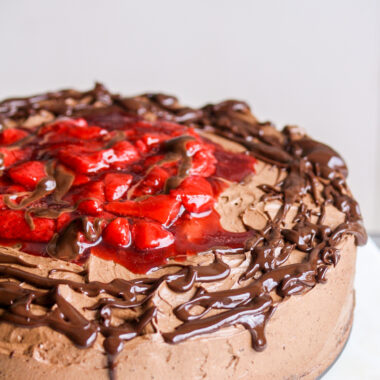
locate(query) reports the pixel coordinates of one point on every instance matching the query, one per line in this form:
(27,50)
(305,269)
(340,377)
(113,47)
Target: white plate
(360,359)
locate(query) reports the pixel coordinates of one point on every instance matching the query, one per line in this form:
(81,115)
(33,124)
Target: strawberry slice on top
(28,174)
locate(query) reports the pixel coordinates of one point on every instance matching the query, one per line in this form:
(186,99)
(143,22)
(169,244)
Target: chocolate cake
(143,239)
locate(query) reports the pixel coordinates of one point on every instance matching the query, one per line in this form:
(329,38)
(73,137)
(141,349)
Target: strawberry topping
(28,174)
(127,190)
(196,194)
(151,235)
(117,232)
(116,185)
(11,136)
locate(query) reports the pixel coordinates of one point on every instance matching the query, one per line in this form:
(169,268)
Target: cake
(144,239)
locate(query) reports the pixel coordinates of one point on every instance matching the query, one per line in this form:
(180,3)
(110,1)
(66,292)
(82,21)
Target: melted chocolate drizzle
(308,165)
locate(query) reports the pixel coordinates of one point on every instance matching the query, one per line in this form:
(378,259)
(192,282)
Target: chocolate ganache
(308,169)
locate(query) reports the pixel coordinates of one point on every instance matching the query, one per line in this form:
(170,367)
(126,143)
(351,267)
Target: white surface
(314,63)
(360,359)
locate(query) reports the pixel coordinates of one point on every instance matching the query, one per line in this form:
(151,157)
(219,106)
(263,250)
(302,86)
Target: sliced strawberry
(9,156)
(11,135)
(28,174)
(63,125)
(117,232)
(149,140)
(86,161)
(90,198)
(152,183)
(203,163)
(125,153)
(193,146)
(192,229)
(81,179)
(116,185)
(91,207)
(141,146)
(152,160)
(14,226)
(124,208)
(150,235)
(163,208)
(74,128)
(196,194)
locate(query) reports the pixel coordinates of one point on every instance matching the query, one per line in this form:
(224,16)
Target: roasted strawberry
(163,208)
(196,194)
(28,174)
(11,135)
(13,226)
(116,185)
(151,235)
(117,232)
(152,183)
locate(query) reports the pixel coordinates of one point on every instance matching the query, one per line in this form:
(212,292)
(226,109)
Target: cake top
(162,190)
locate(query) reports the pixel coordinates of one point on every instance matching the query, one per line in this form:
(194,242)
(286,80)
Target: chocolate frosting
(309,168)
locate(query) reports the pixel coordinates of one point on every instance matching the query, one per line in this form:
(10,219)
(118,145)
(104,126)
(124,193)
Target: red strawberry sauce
(123,189)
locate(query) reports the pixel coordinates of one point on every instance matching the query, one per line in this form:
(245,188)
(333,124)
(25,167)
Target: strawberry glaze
(123,189)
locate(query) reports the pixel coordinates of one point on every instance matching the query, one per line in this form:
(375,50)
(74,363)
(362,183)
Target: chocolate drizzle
(310,168)
(177,148)
(67,245)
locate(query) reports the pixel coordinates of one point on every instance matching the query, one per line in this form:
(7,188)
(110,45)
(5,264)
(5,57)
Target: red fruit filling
(28,173)
(196,194)
(116,185)
(137,193)
(11,136)
(117,232)
(151,235)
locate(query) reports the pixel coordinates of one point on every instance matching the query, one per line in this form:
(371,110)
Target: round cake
(141,239)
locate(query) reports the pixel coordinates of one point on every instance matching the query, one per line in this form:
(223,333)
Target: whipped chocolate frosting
(310,183)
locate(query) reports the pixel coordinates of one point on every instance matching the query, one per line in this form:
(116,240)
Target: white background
(360,358)
(312,63)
